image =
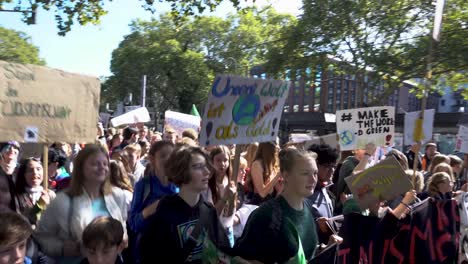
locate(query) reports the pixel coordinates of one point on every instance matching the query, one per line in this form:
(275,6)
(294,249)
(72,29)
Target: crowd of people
(139,196)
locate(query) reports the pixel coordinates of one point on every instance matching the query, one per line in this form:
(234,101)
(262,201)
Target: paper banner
(357,127)
(384,181)
(462,140)
(243,110)
(139,115)
(410,125)
(179,121)
(44,105)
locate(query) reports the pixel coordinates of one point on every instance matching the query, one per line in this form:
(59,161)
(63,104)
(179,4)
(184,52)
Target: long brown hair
(251,153)
(177,168)
(21,183)
(212,182)
(267,155)
(77,179)
(119,176)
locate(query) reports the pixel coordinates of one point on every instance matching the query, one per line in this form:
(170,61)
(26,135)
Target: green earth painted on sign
(246,109)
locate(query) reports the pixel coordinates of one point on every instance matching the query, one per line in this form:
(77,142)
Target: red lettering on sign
(427,235)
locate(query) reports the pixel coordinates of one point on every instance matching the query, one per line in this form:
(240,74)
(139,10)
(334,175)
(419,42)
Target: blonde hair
(133,148)
(77,179)
(436,179)
(119,176)
(288,158)
(444,167)
(419,182)
(400,157)
(250,153)
(436,160)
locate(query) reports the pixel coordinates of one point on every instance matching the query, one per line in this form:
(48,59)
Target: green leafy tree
(384,40)
(182,58)
(90,11)
(16,46)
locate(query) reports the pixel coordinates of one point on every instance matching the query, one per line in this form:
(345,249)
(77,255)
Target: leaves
(16,46)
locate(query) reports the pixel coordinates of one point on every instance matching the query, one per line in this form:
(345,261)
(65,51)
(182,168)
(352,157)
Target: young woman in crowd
(444,167)
(264,174)
(440,185)
(119,178)
(436,160)
(32,197)
(282,227)
(222,191)
(90,195)
(152,187)
(250,153)
(181,224)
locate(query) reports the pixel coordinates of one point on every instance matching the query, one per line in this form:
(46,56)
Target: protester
(156,137)
(144,145)
(336,175)
(412,154)
(444,167)
(429,153)
(8,197)
(322,199)
(170,135)
(243,209)
(14,234)
(400,157)
(59,178)
(463,176)
(277,230)
(9,153)
(418,183)
(457,165)
(137,169)
(190,133)
(264,174)
(130,136)
(143,136)
(440,185)
(152,187)
(118,177)
(33,198)
(90,195)
(103,241)
(222,192)
(250,153)
(115,143)
(182,222)
(436,160)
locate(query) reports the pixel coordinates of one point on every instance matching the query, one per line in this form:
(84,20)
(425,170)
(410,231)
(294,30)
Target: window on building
(442,102)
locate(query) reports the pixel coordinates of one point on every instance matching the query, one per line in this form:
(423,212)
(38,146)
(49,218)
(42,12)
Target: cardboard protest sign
(357,127)
(40,105)
(410,126)
(243,110)
(384,181)
(179,121)
(429,235)
(140,115)
(461,143)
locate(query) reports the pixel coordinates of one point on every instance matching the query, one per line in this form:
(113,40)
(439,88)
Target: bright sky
(88,49)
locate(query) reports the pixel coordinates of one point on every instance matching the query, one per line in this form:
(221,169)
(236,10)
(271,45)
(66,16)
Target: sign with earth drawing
(357,127)
(243,110)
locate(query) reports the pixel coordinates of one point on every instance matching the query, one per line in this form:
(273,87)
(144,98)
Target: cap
(12,143)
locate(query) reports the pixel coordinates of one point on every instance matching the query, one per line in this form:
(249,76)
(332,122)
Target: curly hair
(325,153)
(435,180)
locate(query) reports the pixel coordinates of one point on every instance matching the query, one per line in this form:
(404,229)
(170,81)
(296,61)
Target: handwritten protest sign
(462,140)
(384,181)
(410,123)
(243,110)
(357,127)
(39,104)
(179,121)
(139,115)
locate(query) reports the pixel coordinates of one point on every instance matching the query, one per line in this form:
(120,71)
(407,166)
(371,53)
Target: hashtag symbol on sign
(346,117)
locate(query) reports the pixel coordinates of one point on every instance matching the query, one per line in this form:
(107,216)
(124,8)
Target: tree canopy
(16,46)
(85,12)
(385,39)
(182,58)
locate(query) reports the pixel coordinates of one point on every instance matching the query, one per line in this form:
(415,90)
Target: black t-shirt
(164,240)
(268,237)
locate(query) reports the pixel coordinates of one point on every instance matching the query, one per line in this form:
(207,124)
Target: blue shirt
(99,208)
(157,191)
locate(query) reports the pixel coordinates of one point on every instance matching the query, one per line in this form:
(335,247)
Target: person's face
(155,138)
(359,153)
(14,255)
(143,133)
(96,168)
(325,172)
(34,174)
(221,163)
(52,169)
(431,151)
(199,174)
(11,153)
(117,141)
(241,173)
(303,177)
(170,137)
(102,255)
(457,168)
(133,158)
(134,138)
(445,187)
(160,158)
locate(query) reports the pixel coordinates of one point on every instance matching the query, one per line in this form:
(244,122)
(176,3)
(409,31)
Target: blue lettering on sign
(235,90)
